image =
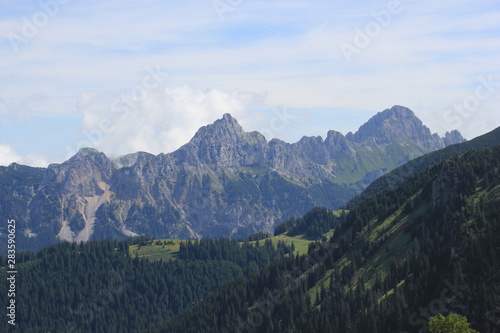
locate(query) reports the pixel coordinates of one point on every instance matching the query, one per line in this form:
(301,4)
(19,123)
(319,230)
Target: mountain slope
(224,182)
(419,164)
(427,246)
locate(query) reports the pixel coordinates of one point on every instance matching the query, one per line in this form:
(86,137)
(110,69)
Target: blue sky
(123,76)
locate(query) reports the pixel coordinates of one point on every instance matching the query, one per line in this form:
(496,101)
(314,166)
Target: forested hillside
(428,246)
(99,287)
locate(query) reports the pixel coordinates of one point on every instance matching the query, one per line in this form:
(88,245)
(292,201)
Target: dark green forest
(312,225)
(436,252)
(98,287)
(427,246)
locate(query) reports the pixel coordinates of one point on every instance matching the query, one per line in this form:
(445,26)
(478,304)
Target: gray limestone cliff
(223,182)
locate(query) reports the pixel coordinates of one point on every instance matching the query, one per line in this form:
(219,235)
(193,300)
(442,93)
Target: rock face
(401,124)
(81,175)
(224,182)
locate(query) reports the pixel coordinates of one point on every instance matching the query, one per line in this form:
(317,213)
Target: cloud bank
(8,156)
(160,120)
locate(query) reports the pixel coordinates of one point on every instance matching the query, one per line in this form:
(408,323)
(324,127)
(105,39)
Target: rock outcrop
(224,182)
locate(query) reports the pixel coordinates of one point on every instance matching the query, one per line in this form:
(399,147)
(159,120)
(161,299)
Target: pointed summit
(223,143)
(228,118)
(386,123)
(226,127)
(453,137)
(82,174)
(84,152)
(400,124)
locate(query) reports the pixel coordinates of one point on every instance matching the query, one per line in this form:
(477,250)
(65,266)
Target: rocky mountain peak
(396,120)
(337,143)
(453,137)
(82,174)
(85,152)
(223,143)
(400,124)
(228,119)
(226,128)
(14,166)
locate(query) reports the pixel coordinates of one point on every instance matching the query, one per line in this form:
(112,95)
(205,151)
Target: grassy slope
(421,163)
(369,159)
(397,242)
(155,252)
(169,248)
(301,243)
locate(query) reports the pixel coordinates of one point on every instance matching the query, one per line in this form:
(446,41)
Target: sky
(126,76)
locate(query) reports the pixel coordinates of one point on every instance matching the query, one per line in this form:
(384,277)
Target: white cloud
(8,155)
(163,121)
(35,160)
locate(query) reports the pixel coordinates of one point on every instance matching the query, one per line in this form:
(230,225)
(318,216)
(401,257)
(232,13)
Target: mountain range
(425,245)
(223,182)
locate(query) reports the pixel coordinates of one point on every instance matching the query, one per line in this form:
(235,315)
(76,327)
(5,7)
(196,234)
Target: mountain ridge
(223,182)
(405,171)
